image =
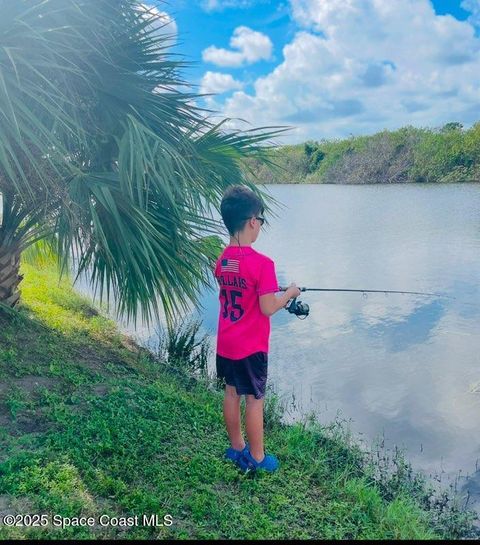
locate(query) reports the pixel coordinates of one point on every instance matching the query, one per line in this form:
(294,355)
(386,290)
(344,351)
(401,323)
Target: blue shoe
(247,462)
(234,455)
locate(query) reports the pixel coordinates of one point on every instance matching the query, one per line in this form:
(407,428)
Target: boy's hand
(293,291)
(269,303)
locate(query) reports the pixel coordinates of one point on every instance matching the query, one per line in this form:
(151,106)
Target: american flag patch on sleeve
(230,265)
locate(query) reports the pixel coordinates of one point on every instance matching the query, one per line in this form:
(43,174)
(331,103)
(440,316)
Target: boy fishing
(248,284)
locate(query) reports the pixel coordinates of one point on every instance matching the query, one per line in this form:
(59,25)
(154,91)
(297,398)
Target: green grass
(90,425)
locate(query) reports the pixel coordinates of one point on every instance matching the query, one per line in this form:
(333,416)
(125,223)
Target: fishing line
(373,291)
(302,309)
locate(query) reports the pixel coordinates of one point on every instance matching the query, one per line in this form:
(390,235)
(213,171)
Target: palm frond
(95,126)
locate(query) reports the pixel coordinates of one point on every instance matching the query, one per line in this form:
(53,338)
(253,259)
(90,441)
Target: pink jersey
(243,275)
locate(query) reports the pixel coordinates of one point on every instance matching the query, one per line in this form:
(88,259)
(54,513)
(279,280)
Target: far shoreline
(372,183)
(445,154)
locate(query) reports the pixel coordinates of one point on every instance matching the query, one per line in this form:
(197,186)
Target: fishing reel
(298,308)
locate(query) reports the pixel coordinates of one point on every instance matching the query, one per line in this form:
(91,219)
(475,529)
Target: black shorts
(248,375)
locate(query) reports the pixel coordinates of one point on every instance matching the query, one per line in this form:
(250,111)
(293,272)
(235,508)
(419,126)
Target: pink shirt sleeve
(267,280)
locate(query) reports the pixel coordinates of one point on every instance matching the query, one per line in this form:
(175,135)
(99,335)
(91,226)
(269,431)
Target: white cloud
(473,6)
(219,5)
(360,66)
(251,47)
(161,21)
(216,82)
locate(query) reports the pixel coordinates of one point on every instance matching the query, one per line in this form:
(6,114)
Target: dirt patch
(95,357)
(10,505)
(131,343)
(100,390)
(4,419)
(5,506)
(29,384)
(24,423)
(31,423)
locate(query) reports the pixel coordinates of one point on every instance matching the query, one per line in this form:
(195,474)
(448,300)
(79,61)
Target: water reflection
(401,332)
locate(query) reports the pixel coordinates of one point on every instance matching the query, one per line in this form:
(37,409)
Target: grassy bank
(409,154)
(93,425)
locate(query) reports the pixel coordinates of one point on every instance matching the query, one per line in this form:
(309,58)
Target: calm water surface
(403,366)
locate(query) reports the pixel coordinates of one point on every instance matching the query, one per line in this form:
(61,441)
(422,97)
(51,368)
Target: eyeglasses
(259,218)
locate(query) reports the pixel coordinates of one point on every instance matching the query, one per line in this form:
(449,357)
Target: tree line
(449,153)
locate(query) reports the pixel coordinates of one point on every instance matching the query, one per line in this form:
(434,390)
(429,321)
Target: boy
(248,285)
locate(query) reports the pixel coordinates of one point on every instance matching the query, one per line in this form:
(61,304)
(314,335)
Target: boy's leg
(254,426)
(231,414)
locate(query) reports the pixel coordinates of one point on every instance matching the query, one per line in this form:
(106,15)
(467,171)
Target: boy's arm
(267,285)
(270,303)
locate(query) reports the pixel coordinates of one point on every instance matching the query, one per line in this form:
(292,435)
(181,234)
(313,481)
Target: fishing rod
(302,309)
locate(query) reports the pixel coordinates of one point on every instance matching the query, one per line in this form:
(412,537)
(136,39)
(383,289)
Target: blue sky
(330,68)
(199,29)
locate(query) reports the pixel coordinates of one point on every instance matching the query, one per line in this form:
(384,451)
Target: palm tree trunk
(9,251)
(9,275)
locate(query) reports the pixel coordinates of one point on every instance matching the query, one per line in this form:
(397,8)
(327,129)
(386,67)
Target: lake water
(403,366)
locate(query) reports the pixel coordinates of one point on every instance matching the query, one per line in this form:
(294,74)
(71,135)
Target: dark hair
(238,204)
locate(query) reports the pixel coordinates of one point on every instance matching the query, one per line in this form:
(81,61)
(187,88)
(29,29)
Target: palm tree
(104,157)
